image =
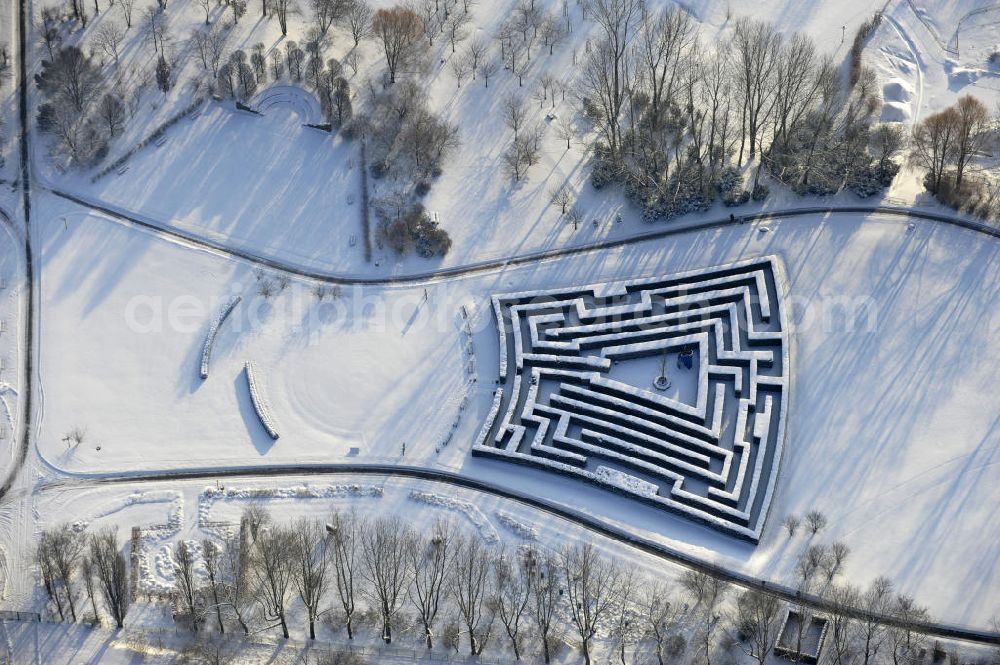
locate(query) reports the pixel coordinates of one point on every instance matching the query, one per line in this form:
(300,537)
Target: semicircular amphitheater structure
(566,405)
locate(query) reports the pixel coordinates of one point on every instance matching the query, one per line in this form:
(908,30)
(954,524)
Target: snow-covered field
(893,428)
(894,341)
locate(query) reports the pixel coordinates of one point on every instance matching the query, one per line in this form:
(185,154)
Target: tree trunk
(72,605)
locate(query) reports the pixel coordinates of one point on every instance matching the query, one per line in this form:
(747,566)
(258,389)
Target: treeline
(449,588)
(677,118)
(949,145)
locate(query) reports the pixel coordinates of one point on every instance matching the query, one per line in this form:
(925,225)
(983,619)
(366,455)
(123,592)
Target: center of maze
(715,459)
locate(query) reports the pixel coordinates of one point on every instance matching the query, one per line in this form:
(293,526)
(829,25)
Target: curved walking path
(665,231)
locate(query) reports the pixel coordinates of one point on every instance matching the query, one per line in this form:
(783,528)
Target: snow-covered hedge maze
(577,368)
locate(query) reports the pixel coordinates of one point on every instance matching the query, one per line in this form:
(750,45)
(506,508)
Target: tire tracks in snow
(918,63)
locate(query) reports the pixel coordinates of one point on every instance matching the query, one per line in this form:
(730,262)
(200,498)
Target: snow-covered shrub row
(471,512)
(516,526)
(258,402)
(490,417)
(210,495)
(498,313)
(156,133)
(206,349)
(583,414)
(625,481)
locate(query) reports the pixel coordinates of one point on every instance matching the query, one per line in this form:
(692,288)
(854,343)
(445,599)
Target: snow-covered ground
(894,341)
(893,429)
(11,343)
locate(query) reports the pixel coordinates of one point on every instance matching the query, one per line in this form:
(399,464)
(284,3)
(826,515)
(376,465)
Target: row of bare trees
(452,588)
(68,558)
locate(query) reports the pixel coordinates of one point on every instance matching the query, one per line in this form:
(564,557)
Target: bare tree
(796,86)
(159,27)
(109,38)
(514,113)
(456,27)
(311,567)
(50,578)
(460,68)
(875,602)
(111,569)
(661,616)
(664,47)
(398,30)
(562,196)
(757,620)
(756,46)
(815,521)
(906,645)
(934,144)
(210,45)
(707,592)
(431,561)
(809,563)
(70,78)
(283,9)
(487,68)
(237,581)
(60,551)
(512,592)
(206,7)
(591,582)
(475,53)
(211,555)
(126,7)
(833,562)
(88,576)
(359,17)
(345,550)
(271,570)
(887,140)
(471,589)
(625,627)
(546,600)
(326,13)
(385,545)
(974,131)
(295,56)
(50,37)
(843,600)
(791,524)
(520,156)
(186,582)
(606,72)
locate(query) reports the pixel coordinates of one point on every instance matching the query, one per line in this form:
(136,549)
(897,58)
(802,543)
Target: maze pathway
(714,458)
